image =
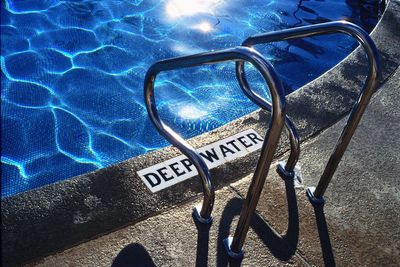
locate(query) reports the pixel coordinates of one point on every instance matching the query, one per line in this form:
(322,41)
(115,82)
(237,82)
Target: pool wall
(54,217)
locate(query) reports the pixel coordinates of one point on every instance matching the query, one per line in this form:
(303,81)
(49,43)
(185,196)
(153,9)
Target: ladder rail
(286,171)
(271,138)
(370,85)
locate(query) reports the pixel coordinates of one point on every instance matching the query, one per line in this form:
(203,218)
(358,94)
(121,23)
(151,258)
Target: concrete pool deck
(57,217)
(358,226)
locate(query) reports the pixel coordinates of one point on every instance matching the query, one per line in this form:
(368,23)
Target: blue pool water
(72,75)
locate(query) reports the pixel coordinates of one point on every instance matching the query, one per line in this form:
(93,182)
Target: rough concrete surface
(358,226)
(173,239)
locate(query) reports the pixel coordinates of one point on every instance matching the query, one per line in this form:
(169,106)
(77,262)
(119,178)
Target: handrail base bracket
(197,216)
(232,254)
(315,201)
(283,173)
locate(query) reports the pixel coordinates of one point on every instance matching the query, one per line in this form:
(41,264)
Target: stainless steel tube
(372,81)
(272,136)
(288,169)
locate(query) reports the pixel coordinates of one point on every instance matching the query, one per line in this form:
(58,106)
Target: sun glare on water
(181,8)
(191,113)
(204,26)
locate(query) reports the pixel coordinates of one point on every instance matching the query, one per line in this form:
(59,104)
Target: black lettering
(243,142)
(210,156)
(187,163)
(150,180)
(234,145)
(164,174)
(224,150)
(176,169)
(254,137)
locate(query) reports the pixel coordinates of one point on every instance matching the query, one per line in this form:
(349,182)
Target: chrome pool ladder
(234,244)
(374,73)
(272,136)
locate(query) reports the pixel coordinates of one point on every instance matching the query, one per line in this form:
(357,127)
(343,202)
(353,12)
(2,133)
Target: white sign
(178,169)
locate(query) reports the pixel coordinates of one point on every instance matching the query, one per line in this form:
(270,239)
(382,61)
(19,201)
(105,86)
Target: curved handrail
(286,171)
(371,83)
(272,135)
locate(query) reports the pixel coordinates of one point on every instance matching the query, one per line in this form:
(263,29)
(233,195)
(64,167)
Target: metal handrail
(287,170)
(374,73)
(271,138)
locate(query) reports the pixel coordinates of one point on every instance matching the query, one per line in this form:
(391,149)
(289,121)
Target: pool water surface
(72,75)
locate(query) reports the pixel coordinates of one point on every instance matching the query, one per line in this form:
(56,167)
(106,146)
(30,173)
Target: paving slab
(360,222)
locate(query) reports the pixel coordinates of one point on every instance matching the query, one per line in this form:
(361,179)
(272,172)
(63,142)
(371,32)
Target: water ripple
(72,76)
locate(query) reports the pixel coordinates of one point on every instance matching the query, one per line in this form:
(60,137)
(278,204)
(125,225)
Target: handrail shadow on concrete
(281,247)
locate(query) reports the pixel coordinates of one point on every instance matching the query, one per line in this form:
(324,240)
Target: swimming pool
(72,75)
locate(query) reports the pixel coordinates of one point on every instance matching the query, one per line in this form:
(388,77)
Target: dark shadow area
(282,247)
(203,237)
(323,232)
(133,255)
(292,232)
(231,210)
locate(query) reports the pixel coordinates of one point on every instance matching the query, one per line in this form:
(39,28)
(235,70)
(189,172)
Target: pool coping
(43,221)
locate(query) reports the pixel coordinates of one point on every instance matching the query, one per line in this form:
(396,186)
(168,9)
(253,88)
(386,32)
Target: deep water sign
(178,169)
